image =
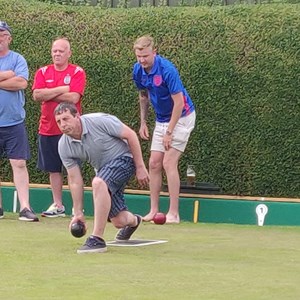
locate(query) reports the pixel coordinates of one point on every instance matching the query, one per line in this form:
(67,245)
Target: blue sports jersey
(12,102)
(162,82)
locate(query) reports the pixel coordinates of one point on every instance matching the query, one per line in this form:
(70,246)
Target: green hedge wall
(241,65)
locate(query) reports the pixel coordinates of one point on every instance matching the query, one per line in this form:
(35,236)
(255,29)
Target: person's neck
(4,53)
(78,134)
(61,67)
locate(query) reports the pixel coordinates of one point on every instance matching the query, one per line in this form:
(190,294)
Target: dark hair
(66,106)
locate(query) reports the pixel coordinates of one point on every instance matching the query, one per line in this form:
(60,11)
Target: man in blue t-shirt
(158,80)
(13,135)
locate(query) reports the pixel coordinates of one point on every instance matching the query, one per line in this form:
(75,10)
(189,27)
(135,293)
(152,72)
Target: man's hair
(66,106)
(61,38)
(143,42)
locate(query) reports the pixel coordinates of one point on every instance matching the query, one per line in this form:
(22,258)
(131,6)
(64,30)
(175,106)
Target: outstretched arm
(134,145)
(76,187)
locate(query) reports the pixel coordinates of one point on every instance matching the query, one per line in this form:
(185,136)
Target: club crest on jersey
(157,80)
(67,79)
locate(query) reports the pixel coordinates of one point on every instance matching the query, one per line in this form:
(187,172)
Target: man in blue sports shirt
(13,136)
(158,81)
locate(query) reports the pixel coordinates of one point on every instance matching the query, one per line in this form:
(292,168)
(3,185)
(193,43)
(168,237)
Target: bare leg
(1,207)
(123,219)
(0,196)
(155,173)
(102,204)
(21,181)
(171,167)
(56,182)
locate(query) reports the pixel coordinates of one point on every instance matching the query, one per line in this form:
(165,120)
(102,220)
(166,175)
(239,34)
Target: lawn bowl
(159,218)
(78,229)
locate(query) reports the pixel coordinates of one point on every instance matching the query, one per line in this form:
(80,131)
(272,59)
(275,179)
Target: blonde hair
(143,42)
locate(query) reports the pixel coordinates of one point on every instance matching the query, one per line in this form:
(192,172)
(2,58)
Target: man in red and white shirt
(55,83)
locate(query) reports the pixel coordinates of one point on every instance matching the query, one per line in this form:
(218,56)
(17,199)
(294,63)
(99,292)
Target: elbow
(75,100)
(35,96)
(21,83)
(24,85)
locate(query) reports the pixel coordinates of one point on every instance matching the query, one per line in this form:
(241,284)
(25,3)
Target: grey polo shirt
(100,142)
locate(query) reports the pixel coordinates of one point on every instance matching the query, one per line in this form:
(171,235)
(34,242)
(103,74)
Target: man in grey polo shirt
(114,151)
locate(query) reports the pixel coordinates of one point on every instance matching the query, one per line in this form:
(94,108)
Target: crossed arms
(58,94)
(10,82)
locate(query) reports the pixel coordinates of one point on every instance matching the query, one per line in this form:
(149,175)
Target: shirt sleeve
(39,80)
(21,69)
(78,81)
(136,77)
(64,153)
(173,80)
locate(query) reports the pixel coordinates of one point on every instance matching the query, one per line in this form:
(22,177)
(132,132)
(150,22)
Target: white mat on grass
(135,243)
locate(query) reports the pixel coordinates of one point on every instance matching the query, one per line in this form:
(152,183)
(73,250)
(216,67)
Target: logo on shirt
(67,79)
(157,80)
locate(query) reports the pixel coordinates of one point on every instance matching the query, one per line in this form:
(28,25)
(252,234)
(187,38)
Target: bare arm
(134,145)
(15,83)
(76,187)
(72,97)
(144,109)
(144,105)
(176,114)
(6,74)
(177,110)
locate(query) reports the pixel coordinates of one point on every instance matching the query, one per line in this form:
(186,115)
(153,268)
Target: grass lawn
(200,261)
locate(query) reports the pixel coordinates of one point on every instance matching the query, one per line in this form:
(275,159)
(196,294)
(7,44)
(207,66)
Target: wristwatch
(168,132)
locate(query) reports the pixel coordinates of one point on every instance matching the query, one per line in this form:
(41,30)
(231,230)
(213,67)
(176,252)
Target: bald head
(61,52)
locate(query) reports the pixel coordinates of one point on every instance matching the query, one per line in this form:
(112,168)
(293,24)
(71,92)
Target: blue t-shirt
(12,102)
(162,82)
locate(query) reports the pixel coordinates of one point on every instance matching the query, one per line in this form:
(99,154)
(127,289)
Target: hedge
(240,64)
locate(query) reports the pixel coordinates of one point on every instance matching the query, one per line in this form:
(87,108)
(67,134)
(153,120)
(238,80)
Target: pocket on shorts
(183,129)
(181,134)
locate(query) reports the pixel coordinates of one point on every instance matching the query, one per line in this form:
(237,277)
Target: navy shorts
(14,142)
(48,157)
(116,174)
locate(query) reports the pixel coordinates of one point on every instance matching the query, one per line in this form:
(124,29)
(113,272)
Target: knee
(98,184)
(18,164)
(169,165)
(155,164)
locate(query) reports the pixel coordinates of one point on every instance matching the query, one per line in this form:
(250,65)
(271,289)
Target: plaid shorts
(116,174)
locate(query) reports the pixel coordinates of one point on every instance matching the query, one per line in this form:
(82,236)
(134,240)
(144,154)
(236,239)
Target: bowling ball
(159,218)
(78,229)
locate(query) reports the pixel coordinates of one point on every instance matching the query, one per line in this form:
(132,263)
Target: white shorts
(180,136)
